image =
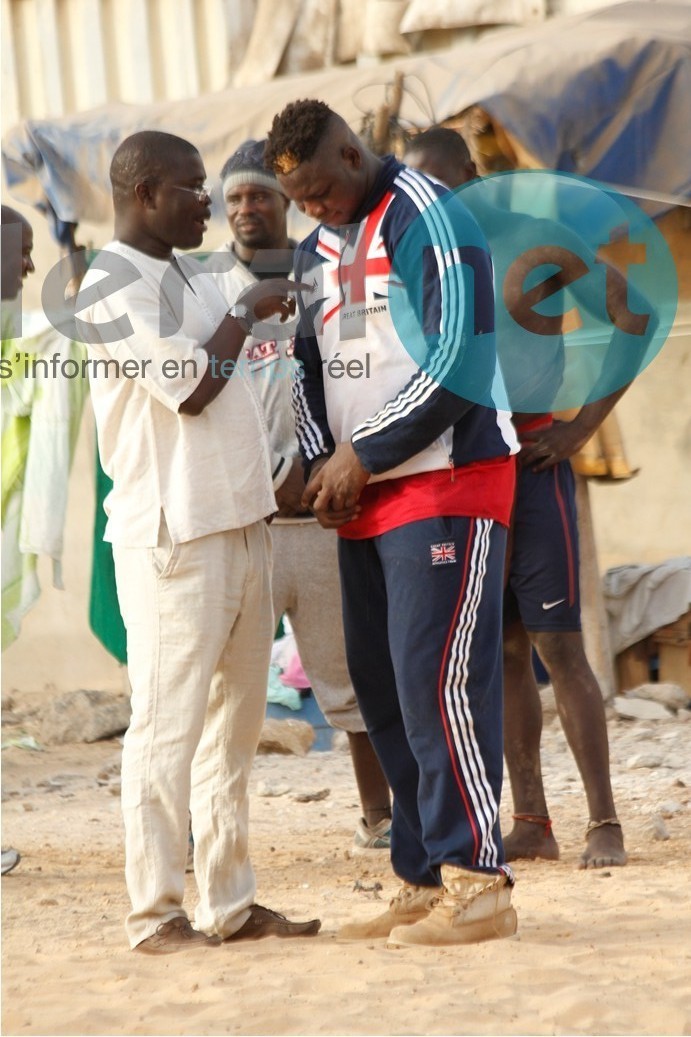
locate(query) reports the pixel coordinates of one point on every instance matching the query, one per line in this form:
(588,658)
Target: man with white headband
(306,583)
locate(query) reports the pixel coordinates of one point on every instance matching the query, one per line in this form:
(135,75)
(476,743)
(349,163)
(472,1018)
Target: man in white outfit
(184,443)
(306,584)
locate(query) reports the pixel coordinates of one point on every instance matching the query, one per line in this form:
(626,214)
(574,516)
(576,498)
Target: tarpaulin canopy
(604,94)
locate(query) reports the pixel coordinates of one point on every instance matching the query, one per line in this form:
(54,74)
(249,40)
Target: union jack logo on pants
(443,554)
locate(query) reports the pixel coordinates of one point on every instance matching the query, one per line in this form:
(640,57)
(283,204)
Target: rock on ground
(84,716)
(671,695)
(640,709)
(286,736)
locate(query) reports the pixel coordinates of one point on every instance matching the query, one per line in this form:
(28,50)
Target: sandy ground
(597,952)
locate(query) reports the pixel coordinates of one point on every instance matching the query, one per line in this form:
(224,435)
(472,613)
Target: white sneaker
(474,906)
(376,838)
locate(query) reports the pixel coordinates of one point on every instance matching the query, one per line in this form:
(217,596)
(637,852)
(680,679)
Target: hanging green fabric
(104,611)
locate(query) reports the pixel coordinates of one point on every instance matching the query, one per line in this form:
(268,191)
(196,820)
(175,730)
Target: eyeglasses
(201,192)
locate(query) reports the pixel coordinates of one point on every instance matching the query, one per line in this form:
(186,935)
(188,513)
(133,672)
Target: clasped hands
(334,487)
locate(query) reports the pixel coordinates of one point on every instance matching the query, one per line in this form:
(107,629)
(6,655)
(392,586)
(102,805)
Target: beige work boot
(474,906)
(411,904)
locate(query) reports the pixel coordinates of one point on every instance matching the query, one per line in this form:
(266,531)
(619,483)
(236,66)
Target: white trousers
(199,625)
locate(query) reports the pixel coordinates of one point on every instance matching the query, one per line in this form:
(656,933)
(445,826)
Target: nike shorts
(542,589)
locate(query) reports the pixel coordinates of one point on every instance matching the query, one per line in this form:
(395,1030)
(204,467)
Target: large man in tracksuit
(418,480)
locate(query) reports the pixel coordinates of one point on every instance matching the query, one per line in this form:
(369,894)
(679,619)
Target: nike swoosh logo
(551,604)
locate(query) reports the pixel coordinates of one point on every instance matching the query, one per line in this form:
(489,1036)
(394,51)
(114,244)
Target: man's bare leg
(371,782)
(582,715)
(531,835)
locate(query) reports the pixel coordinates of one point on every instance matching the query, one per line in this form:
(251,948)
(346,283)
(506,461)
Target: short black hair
(441,141)
(295,134)
(144,156)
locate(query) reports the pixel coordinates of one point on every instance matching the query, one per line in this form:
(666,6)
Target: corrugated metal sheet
(65,56)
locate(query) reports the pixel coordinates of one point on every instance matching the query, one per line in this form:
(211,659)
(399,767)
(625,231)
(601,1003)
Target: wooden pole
(593,613)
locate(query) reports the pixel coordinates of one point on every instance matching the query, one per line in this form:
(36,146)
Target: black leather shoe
(265,922)
(176,935)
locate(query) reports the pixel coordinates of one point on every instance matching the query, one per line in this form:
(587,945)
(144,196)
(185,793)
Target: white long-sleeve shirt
(207,473)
